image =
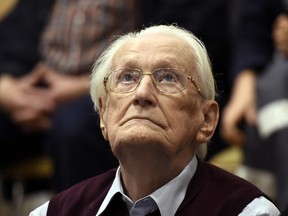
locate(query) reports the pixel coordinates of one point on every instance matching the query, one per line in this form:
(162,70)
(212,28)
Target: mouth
(140,119)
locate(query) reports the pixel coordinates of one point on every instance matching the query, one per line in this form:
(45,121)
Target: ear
(102,109)
(210,111)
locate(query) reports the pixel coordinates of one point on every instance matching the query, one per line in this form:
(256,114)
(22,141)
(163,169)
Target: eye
(168,77)
(127,76)
(165,76)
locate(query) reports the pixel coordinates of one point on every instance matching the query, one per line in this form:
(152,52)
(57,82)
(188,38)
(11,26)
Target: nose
(145,92)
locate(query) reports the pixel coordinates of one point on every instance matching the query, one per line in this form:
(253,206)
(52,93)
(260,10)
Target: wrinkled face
(145,119)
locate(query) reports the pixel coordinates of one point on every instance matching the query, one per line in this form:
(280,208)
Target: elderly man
(155,94)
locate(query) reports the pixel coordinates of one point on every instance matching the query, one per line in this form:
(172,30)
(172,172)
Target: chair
(34,169)
(228,159)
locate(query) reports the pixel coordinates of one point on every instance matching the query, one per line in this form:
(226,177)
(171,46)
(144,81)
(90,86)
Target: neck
(145,173)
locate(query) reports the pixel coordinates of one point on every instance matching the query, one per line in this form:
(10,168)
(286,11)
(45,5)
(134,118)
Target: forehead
(154,50)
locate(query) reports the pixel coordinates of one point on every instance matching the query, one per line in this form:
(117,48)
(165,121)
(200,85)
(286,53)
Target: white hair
(204,76)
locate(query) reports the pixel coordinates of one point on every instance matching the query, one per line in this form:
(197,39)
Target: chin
(138,139)
(142,134)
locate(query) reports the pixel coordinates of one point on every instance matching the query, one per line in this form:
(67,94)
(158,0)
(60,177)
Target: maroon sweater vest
(212,191)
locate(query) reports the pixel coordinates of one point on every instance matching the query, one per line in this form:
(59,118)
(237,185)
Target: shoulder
(84,196)
(97,182)
(224,178)
(226,186)
(226,193)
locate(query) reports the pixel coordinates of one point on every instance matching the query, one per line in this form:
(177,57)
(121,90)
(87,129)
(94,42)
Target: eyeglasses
(165,80)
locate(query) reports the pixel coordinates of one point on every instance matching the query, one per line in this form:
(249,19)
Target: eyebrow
(161,63)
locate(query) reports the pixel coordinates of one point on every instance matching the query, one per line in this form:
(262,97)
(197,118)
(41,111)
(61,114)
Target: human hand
(241,108)
(280,34)
(28,106)
(64,88)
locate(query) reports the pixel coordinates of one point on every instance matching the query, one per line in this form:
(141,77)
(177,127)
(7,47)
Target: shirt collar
(166,203)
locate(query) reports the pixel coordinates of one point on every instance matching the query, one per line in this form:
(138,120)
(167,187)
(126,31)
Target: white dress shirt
(166,203)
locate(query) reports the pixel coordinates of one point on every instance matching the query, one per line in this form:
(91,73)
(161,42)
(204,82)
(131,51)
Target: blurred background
(49,131)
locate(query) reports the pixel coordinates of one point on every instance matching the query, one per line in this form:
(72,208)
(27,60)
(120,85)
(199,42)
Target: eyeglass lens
(169,80)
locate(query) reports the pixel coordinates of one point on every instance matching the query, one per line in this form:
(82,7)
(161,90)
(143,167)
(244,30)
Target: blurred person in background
(259,74)
(47,49)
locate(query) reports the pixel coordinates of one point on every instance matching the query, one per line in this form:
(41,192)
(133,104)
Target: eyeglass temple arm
(195,84)
(105,83)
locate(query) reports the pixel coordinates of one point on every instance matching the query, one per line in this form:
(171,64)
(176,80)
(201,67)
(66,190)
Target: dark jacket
(212,191)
